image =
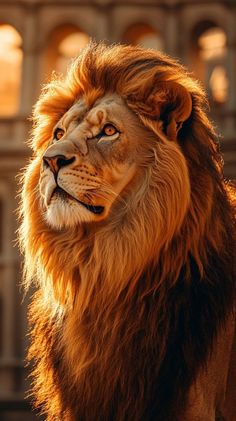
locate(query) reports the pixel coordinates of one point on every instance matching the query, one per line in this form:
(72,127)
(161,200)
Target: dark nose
(56,162)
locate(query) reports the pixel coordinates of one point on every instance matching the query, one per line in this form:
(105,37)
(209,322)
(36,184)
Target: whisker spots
(86,172)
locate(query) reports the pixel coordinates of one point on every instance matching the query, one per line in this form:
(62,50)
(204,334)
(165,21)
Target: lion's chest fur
(136,361)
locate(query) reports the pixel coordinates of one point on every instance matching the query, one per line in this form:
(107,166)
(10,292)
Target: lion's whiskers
(104,192)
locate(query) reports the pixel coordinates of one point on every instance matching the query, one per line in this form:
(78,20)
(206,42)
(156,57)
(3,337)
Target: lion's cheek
(173,190)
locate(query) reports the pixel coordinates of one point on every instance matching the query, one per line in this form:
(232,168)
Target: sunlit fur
(103,313)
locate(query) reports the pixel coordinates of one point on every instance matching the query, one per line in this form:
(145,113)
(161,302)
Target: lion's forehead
(106,108)
(75,113)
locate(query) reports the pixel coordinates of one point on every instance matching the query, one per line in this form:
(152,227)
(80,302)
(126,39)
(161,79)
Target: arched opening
(70,47)
(144,35)
(208,56)
(11,67)
(65,43)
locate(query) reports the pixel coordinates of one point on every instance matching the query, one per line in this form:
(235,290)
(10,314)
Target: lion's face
(92,156)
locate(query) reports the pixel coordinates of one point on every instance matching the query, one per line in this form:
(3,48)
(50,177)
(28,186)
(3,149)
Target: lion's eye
(109,130)
(58,134)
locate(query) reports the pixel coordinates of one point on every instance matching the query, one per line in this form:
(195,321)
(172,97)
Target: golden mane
(117,301)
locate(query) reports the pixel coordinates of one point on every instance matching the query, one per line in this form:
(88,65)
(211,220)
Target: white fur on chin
(61,214)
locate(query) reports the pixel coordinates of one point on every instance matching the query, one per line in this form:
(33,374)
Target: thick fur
(128,310)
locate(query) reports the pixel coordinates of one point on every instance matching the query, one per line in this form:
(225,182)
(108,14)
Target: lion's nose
(56,162)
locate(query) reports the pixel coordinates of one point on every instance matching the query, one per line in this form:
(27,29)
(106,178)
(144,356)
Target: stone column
(8,360)
(231,74)
(171,32)
(101,31)
(29,89)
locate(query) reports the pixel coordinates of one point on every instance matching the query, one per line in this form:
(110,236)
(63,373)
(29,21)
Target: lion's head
(97,162)
(123,199)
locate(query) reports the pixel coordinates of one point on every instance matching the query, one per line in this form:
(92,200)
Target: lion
(128,233)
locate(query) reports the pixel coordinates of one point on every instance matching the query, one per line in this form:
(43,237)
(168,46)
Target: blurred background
(38,36)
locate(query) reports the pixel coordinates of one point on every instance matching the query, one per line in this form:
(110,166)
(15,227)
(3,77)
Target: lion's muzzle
(56,162)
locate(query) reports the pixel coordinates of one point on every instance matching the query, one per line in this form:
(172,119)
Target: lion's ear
(174,107)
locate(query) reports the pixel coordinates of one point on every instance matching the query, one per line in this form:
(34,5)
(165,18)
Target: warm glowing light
(219,84)
(150,41)
(73,44)
(10,65)
(212,44)
(10,41)
(70,47)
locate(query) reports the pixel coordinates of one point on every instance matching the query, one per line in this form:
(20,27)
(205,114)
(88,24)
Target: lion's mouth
(64,195)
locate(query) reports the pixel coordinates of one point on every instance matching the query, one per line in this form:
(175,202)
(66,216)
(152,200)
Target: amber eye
(58,134)
(109,130)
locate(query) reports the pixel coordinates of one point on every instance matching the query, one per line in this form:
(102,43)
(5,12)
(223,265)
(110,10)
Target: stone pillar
(171,32)
(101,31)
(29,87)
(8,360)
(230,116)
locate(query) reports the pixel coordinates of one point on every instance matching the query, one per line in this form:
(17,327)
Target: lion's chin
(68,214)
(64,211)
